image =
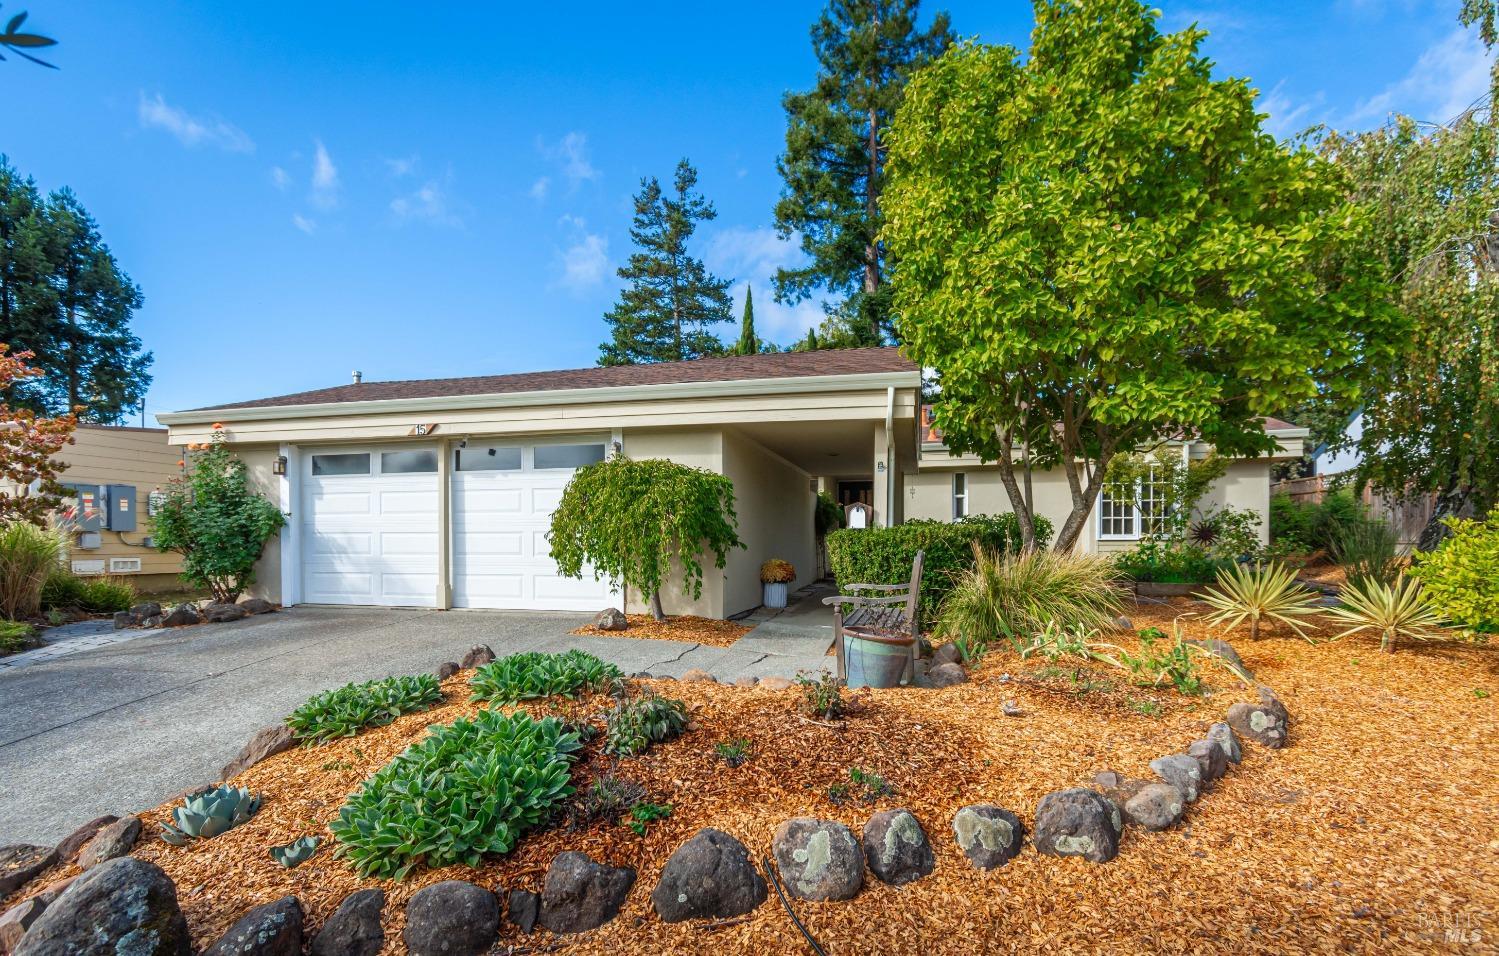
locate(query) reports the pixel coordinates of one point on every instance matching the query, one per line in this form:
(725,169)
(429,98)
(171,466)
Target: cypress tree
(749,343)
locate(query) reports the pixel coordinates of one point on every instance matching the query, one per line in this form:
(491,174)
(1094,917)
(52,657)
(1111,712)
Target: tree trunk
(1019,501)
(1082,498)
(1456,502)
(656,611)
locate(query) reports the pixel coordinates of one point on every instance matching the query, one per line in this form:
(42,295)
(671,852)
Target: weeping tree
(634,521)
(1100,249)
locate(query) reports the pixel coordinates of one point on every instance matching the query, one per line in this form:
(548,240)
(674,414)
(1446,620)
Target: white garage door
(369,526)
(503,496)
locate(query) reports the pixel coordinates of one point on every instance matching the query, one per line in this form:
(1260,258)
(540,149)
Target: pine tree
(672,303)
(749,342)
(833,166)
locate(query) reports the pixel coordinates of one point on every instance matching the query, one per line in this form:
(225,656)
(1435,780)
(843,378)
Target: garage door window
(494,458)
(568,456)
(356,464)
(419,462)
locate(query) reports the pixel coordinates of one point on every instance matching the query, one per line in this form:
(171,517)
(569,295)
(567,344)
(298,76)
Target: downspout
(890,456)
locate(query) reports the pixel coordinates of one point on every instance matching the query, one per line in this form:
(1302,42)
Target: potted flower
(775,574)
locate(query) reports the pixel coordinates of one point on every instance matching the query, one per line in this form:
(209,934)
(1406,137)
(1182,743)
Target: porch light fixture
(278,467)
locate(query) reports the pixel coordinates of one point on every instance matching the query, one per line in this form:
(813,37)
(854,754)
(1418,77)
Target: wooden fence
(1406,517)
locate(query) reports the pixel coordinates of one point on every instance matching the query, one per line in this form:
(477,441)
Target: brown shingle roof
(731,368)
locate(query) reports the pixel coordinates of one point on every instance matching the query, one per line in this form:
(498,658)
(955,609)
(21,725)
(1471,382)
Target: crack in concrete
(673,660)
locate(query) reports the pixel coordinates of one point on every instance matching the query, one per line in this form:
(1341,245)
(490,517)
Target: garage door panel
(545,500)
(486,588)
(422,543)
(407,503)
(549,586)
(340,543)
(407,587)
(339,587)
(480,501)
(476,544)
(332,502)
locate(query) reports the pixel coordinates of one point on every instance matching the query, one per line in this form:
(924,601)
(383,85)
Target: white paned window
(959,495)
(568,456)
(343,464)
(422,461)
(1144,513)
(488,458)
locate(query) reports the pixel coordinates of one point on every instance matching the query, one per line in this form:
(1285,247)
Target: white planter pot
(775,594)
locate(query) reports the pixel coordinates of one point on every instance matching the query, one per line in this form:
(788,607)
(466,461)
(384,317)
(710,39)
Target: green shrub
(822,695)
(107,595)
(1368,550)
(15,636)
(1461,577)
(1159,560)
(885,555)
(28,554)
(632,726)
(533,675)
(1313,526)
(470,788)
(349,709)
(62,590)
(1016,596)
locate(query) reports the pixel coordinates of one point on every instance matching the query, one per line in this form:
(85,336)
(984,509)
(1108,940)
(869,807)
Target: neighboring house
(438,493)
(113,472)
(1345,458)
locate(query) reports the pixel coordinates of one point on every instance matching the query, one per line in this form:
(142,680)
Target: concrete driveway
(119,729)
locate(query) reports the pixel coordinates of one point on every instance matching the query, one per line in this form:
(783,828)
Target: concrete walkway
(71,639)
(122,727)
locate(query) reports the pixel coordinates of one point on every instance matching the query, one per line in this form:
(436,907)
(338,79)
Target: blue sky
(419,190)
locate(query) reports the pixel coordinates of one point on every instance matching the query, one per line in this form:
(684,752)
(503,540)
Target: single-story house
(438,492)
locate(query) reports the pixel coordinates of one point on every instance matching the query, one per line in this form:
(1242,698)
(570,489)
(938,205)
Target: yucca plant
(1394,610)
(1260,592)
(209,813)
(1016,596)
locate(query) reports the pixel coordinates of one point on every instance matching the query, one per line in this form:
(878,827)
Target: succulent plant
(296,852)
(208,813)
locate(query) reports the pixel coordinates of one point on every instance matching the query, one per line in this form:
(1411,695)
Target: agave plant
(296,852)
(209,813)
(1394,610)
(1260,592)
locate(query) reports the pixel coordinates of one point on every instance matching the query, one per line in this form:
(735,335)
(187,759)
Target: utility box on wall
(121,507)
(88,506)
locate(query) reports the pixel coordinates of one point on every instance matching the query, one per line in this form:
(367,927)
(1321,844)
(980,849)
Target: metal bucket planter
(875,658)
(775,594)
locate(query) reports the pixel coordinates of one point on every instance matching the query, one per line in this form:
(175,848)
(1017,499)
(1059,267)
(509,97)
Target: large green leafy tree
(834,162)
(1100,249)
(668,311)
(64,298)
(634,521)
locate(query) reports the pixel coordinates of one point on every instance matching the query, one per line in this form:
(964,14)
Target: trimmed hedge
(884,555)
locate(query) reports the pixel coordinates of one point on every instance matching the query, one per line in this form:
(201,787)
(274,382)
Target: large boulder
(271,929)
(1116,786)
(446,669)
(523,908)
(708,876)
(354,929)
(1183,772)
(477,656)
(896,847)
(20,863)
(124,906)
(17,920)
(611,619)
(989,836)
(1211,759)
(1078,822)
(115,840)
(181,616)
(1223,735)
(224,613)
(1266,723)
(255,605)
(1156,806)
(1223,650)
(80,837)
(451,918)
(818,859)
(579,894)
(267,742)
(948,653)
(946,675)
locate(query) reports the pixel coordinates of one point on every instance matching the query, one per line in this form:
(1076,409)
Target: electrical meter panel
(121,508)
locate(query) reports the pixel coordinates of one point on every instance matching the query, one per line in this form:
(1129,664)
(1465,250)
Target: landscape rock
(947,675)
(153,621)
(354,929)
(1183,772)
(611,619)
(145,609)
(446,669)
(477,656)
(1010,709)
(948,653)
(1223,735)
(1123,623)
(271,929)
(181,616)
(696,675)
(124,906)
(17,920)
(115,840)
(1117,787)
(1224,650)
(745,682)
(255,605)
(224,613)
(989,836)
(1266,723)
(708,876)
(79,838)
(20,863)
(124,619)
(1157,806)
(267,742)
(1210,758)
(818,859)
(896,847)
(1078,822)
(775,683)
(451,918)
(523,909)
(579,894)
(52,891)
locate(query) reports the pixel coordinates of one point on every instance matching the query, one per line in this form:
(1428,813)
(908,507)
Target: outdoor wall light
(278,467)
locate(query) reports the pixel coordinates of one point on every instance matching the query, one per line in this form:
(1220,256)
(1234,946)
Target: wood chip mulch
(686,627)
(1376,830)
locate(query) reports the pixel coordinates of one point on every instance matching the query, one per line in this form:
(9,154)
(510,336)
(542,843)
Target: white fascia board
(572,396)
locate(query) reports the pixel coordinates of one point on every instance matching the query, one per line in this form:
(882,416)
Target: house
(438,493)
(112,473)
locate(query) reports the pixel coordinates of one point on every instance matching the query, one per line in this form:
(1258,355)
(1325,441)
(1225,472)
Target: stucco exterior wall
(774,502)
(258,461)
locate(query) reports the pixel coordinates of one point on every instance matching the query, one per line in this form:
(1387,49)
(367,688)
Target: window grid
(1146,514)
(959,495)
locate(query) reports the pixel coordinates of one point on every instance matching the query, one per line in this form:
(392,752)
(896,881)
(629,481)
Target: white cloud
(429,203)
(585,261)
(403,167)
(155,113)
(1446,79)
(280,177)
(571,156)
(540,188)
(324,178)
(1287,117)
(751,257)
(303,223)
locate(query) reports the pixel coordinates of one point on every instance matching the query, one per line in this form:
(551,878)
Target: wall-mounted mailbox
(122,507)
